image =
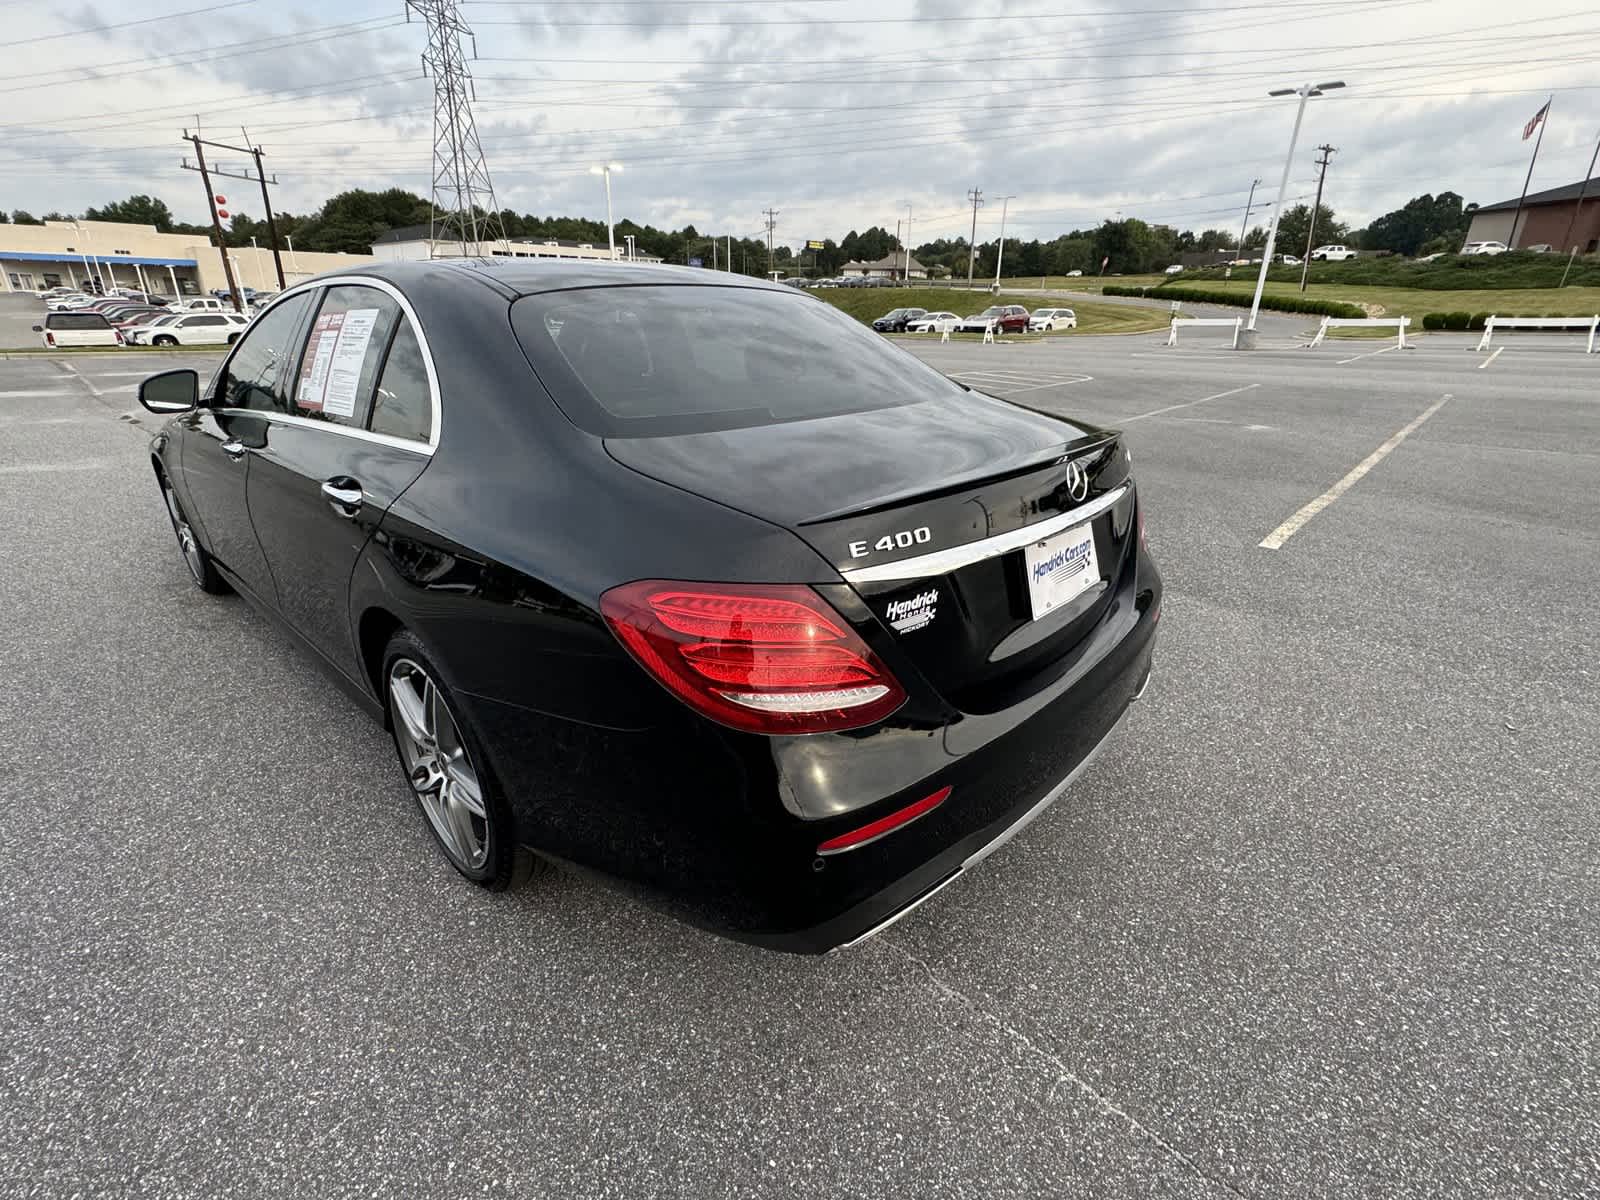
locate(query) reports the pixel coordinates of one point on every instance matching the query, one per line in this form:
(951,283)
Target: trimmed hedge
(1292,304)
(1460,321)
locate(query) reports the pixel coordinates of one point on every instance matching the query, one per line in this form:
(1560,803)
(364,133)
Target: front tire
(201,569)
(164,339)
(445,764)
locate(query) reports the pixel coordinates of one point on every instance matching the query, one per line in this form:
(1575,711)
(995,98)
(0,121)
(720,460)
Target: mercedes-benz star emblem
(1077,481)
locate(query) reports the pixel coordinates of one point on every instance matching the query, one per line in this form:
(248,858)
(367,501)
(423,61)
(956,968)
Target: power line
(193,12)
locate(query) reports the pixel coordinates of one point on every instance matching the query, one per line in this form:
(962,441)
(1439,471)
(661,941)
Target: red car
(1003,318)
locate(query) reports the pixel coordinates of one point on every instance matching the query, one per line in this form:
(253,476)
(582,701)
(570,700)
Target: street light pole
(611,235)
(1000,251)
(1244,229)
(1305,92)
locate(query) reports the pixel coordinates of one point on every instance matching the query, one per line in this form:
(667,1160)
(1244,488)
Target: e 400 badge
(903,539)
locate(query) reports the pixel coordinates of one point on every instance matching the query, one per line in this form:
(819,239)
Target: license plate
(1061,568)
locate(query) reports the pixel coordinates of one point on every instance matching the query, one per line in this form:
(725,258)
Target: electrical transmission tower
(464,211)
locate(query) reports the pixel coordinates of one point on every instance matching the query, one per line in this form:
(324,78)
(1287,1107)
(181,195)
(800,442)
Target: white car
(1174,269)
(202,304)
(934,322)
(1073,274)
(1331,253)
(189,329)
(1484,248)
(78,329)
(1046,320)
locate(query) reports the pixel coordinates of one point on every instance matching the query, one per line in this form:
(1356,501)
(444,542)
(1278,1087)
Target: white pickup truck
(1332,253)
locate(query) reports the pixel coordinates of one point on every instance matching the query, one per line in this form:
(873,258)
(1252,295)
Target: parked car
(191,329)
(1540,248)
(1484,248)
(935,322)
(1174,269)
(204,304)
(1330,254)
(895,320)
(789,703)
(1047,320)
(1288,260)
(71,302)
(1002,318)
(1073,274)
(78,329)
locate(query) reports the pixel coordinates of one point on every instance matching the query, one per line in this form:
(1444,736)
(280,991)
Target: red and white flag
(1527,130)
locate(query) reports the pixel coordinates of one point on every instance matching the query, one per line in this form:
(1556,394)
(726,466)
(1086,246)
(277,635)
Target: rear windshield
(661,359)
(76,321)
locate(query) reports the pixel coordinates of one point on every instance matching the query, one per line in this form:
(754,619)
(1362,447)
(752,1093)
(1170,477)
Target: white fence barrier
(1237,323)
(1399,324)
(1493,323)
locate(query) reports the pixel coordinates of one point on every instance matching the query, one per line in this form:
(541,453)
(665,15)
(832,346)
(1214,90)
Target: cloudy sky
(840,114)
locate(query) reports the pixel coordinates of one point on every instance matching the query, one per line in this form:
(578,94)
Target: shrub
(1457,321)
(1478,321)
(1293,304)
(1433,321)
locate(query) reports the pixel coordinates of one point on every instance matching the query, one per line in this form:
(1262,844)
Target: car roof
(517,277)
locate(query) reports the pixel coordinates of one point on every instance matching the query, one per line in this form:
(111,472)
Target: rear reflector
(883,826)
(762,658)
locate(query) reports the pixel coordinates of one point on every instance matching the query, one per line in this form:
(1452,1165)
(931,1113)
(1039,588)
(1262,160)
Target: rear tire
(449,773)
(232,338)
(165,339)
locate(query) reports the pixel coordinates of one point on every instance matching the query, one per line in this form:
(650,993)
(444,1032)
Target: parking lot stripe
(1156,412)
(1368,354)
(1280,535)
(1498,351)
(34,393)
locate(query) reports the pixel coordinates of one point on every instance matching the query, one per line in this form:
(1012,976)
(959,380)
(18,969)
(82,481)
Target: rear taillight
(763,658)
(120,340)
(49,339)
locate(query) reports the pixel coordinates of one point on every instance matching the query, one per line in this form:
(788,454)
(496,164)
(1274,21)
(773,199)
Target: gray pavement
(19,313)
(1322,924)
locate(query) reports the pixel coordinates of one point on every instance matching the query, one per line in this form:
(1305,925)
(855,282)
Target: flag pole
(1576,209)
(1511,242)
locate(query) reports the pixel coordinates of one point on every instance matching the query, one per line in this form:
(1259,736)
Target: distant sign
(814,246)
(697,262)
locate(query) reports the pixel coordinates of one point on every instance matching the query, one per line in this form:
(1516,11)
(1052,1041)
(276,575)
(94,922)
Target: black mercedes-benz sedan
(683,578)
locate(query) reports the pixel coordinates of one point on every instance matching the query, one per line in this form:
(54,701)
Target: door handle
(234,450)
(345,495)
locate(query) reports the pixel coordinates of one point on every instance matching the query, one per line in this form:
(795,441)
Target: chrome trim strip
(942,562)
(1050,798)
(900,912)
(383,285)
(365,435)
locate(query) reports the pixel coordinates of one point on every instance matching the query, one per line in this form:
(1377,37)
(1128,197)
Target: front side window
(344,353)
(648,360)
(196,322)
(255,377)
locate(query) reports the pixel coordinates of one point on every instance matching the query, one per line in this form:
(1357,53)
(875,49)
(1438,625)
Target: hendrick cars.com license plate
(1060,568)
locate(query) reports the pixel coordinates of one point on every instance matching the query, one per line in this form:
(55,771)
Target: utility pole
(976,196)
(266,202)
(1572,224)
(1311,234)
(216,221)
(772,223)
(908,246)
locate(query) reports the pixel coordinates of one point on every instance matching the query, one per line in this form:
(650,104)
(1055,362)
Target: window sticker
(332,371)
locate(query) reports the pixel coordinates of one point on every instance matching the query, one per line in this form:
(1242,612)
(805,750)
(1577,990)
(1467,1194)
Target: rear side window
(403,406)
(653,360)
(194,322)
(76,321)
(344,353)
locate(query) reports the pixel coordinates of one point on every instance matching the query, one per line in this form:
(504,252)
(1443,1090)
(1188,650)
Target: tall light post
(1305,92)
(606,169)
(293,262)
(260,278)
(1000,251)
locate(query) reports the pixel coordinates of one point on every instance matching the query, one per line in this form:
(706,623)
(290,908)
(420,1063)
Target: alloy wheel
(438,765)
(186,539)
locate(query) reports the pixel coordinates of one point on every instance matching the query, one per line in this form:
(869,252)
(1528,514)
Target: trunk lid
(934,513)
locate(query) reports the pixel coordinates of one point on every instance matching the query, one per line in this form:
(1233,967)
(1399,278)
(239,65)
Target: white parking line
(1188,403)
(34,393)
(1498,351)
(84,379)
(1280,535)
(1369,354)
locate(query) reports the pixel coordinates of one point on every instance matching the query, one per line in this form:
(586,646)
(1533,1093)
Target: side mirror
(171,391)
(38,328)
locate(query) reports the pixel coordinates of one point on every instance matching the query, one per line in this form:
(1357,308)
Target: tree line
(352,220)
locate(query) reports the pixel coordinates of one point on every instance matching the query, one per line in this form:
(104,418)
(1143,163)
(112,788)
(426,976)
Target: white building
(411,243)
(896,266)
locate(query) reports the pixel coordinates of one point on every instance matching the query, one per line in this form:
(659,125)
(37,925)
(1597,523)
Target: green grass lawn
(867,304)
(1414,302)
(1080,283)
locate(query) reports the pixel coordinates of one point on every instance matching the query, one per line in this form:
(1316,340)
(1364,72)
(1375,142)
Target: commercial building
(411,243)
(79,253)
(894,266)
(1545,220)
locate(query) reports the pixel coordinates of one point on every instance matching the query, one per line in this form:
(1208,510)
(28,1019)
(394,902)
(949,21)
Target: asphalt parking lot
(1322,924)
